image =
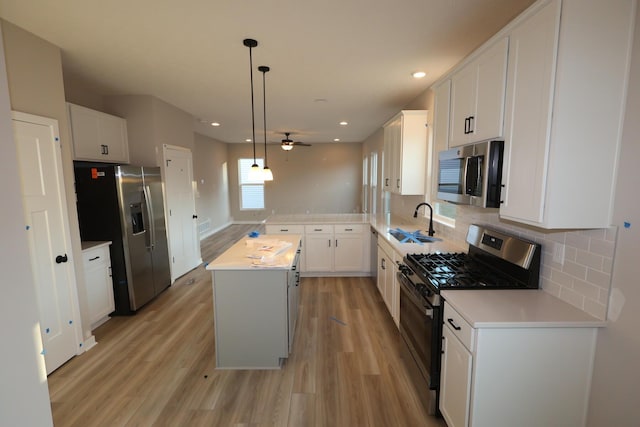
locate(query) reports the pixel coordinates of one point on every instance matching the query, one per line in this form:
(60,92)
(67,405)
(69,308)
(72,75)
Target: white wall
(24,394)
(615,394)
(210,173)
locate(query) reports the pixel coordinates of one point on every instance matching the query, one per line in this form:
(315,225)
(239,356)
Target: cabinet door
(392,294)
(463,97)
(319,255)
(382,276)
(97,266)
(113,135)
(348,252)
(442,101)
(455,388)
(85,128)
(387,160)
(489,112)
(528,111)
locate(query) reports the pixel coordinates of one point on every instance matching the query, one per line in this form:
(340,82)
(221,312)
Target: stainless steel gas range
(495,260)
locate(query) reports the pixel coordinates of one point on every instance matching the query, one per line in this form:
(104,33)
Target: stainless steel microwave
(472,174)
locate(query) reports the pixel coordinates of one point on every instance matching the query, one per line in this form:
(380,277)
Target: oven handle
(423,305)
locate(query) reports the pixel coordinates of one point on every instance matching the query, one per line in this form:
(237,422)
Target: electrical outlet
(558,253)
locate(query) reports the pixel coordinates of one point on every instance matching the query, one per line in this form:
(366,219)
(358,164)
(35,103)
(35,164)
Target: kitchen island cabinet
(255,301)
(515,358)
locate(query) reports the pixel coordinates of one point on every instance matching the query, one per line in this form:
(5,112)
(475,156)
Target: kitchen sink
(412,236)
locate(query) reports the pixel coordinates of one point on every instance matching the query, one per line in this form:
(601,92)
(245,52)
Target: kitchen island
(255,301)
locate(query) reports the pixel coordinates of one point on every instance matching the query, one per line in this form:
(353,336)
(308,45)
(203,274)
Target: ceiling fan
(288,144)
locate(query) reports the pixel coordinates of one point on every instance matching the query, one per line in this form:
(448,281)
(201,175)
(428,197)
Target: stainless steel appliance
(125,204)
(472,174)
(495,260)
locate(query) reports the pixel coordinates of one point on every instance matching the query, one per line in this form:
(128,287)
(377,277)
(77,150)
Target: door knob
(61,259)
(195,216)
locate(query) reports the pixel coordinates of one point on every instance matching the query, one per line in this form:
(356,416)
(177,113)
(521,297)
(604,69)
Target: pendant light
(267,175)
(255,174)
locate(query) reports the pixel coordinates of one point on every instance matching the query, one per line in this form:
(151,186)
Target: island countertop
(265,251)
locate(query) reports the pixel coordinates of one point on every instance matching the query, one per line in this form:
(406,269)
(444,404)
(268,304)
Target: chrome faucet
(415,215)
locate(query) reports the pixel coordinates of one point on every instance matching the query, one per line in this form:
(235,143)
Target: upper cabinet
(477,97)
(565,102)
(98,136)
(405,152)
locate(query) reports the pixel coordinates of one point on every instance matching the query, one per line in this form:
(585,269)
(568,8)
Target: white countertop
(318,218)
(88,244)
(517,308)
(381,223)
(274,252)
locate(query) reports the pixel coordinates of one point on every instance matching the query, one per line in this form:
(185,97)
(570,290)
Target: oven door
(421,331)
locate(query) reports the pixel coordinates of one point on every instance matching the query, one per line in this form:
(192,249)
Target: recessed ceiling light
(215,124)
(419,74)
(320,100)
(343,123)
(248,140)
(336,139)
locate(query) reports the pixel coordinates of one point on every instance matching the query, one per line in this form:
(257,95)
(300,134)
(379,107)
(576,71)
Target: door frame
(52,124)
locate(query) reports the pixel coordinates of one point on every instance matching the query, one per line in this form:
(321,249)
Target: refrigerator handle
(149,202)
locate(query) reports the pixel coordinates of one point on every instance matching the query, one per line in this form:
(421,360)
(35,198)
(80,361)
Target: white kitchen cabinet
(477,97)
(320,247)
(349,248)
(405,152)
(98,136)
(565,101)
(503,376)
(386,281)
(291,229)
(442,102)
(99,286)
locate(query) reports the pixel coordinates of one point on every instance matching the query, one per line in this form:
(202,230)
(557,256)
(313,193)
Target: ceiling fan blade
(304,144)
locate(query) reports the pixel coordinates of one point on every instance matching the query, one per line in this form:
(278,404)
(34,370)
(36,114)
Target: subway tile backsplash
(583,279)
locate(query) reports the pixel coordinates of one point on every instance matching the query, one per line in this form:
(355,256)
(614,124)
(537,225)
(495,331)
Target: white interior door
(47,223)
(184,245)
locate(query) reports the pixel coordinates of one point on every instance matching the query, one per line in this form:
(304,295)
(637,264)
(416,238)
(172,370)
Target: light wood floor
(158,367)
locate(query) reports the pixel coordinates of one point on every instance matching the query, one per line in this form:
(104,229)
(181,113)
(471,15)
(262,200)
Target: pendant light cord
(264,109)
(253,120)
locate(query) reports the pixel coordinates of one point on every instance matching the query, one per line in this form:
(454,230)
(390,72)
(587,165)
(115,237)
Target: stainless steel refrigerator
(125,204)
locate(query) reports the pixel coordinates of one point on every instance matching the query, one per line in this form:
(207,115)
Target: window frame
(244,164)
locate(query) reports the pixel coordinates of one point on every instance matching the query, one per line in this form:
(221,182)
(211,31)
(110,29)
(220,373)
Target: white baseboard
(89,343)
(215,230)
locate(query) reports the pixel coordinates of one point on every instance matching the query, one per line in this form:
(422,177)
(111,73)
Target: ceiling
(330,60)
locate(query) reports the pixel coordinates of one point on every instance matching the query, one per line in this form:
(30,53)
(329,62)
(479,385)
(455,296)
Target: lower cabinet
(514,376)
(328,249)
(387,283)
(97,271)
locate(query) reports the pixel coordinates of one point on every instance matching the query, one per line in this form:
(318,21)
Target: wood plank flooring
(158,367)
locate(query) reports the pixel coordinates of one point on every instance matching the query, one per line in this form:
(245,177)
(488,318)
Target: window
(374,182)
(251,192)
(365,184)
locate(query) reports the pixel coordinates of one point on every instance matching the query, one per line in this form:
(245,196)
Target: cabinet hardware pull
(284,229)
(317,229)
(336,243)
(348,229)
(472,127)
(398,183)
(329,242)
(453,325)
(466,123)
(386,182)
(110,273)
(383,264)
(94,258)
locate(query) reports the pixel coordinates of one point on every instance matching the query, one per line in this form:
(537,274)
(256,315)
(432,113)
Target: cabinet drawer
(285,229)
(349,228)
(460,328)
(318,229)
(96,257)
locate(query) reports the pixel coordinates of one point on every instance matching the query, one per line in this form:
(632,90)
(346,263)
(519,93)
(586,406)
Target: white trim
(215,230)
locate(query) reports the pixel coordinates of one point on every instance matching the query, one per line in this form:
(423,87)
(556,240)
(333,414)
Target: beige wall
(614,393)
(210,173)
(323,178)
(151,123)
(34,71)
(24,395)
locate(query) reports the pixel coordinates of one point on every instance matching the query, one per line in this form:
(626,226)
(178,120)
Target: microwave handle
(465,174)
